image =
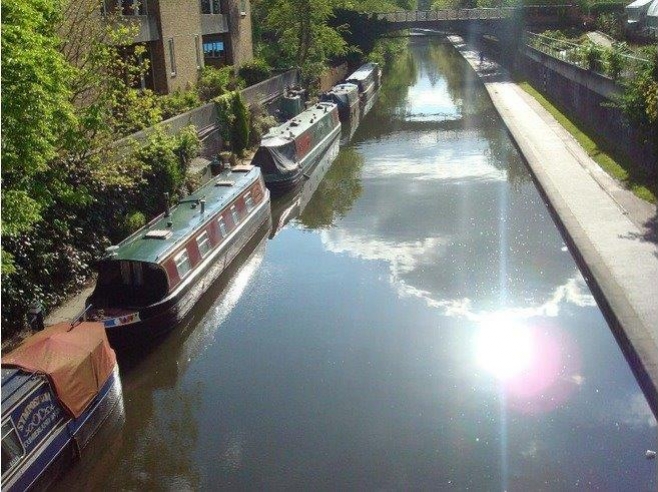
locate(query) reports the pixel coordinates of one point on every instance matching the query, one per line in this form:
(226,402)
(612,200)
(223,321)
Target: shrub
(614,61)
(255,71)
(592,55)
(240,133)
(166,158)
(261,122)
(178,102)
(217,81)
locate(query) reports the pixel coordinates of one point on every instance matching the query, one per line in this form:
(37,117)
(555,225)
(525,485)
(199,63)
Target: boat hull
(281,184)
(62,444)
(158,320)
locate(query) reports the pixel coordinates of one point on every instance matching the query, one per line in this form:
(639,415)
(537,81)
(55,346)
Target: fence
(580,56)
(205,117)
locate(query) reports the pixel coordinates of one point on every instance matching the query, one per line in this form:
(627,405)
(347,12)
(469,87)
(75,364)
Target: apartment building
(182,36)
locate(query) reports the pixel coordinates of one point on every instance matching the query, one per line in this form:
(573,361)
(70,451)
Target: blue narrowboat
(58,388)
(150,281)
(290,151)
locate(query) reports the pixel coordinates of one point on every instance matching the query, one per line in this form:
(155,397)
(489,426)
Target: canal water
(419,325)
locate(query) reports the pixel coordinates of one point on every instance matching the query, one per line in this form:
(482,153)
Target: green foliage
(178,102)
(261,122)
(255,71)
(592,56)
(304,36)
(217,81)
(225,117)
(166,159)
(241,127)
(133,221)
(611,24)
(640,99)
(135,110)
(614,61)
(36,109)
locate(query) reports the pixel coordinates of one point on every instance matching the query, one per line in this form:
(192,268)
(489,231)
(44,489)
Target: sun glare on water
(504,347)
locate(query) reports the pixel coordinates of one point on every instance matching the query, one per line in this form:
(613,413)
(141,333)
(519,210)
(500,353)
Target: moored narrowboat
(367,78)
(149,282)
(58,388)
(292,150)
(346,97)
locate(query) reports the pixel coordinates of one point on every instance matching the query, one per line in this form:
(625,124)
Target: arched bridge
(480,19)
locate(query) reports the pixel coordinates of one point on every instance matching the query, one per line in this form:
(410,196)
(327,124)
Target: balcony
(214,24)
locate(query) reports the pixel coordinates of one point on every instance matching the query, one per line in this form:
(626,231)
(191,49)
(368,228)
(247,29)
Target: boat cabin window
(183,265)
(203,242)
(222,226)
(12,449)
(249,201)
(123,283)
(235,215)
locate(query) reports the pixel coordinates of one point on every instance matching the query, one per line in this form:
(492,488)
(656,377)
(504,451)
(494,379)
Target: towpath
(611,232)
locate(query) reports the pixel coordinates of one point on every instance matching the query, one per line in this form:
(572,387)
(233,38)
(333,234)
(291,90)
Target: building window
(182,261)
(222,226)
(172,57)
(210,7)
(197,48)
(235,215)
(133,7)
(203,242)
(12,449)
(213,49)
(249,202)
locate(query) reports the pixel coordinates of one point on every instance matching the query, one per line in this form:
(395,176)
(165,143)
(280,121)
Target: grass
(623,171)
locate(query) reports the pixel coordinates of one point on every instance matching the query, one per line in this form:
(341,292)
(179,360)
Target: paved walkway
(611,232)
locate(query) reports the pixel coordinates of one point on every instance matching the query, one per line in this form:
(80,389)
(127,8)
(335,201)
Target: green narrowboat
(151,280)
(292,150)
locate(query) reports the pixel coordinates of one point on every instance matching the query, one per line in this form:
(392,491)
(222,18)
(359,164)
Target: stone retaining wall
(588,97)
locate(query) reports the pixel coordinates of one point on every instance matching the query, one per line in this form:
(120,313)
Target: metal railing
(575,54)
(447,14)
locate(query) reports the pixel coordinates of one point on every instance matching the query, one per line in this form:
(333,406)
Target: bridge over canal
(480,20)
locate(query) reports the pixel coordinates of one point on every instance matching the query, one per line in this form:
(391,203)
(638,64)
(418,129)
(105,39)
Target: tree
(36,110)
(305,38)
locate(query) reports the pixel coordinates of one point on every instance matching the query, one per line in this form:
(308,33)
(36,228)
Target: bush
(166,159)
(217,81)
(240,133)
(614,61)
(592,55)
(261,122)
(178,102)
(255,71)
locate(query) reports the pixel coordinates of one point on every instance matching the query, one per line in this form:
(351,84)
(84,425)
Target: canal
(420,325)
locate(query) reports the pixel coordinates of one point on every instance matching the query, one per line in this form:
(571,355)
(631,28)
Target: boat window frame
(203,244)
(223,230)
(235,214)
(7,467)
(183,263)
(249,201)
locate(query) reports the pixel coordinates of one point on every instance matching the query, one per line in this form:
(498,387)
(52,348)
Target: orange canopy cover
(77,362)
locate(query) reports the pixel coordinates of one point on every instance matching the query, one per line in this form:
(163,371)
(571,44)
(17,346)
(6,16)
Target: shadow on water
(135,439)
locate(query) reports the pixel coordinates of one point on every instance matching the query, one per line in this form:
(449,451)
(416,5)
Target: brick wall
(180,22)
(240,31)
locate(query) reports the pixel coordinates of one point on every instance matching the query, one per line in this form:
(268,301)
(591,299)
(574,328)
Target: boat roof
(363,72)
(78,361)
(344,88)
(638,4)
(291,129)
(152,242)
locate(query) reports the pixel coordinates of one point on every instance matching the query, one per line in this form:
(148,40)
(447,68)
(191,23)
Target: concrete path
(611,232)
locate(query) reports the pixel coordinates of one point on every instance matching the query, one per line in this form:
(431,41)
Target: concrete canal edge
(606,227)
